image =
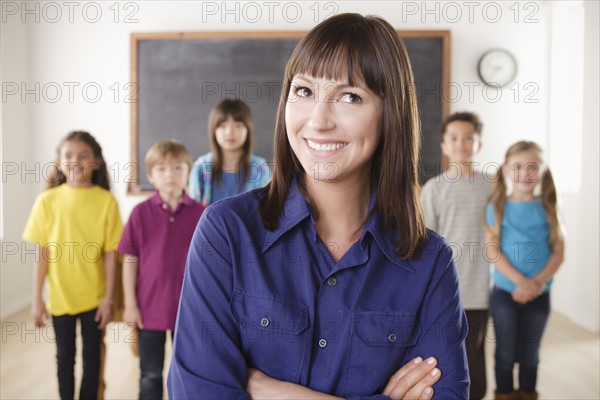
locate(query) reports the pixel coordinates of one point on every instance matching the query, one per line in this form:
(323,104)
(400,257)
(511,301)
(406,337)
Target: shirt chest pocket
(273,334)
(380,344)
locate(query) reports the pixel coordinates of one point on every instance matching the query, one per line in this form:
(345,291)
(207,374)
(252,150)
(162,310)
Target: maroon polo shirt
(160,238)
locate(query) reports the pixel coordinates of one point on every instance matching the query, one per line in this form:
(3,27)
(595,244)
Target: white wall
(86,52)
(576,290)
(15,276)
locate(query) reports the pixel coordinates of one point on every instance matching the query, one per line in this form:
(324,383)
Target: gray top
(454,208)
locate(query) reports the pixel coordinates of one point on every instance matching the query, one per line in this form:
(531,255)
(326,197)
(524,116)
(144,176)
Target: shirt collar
(156,199)
(185,200)
(386,239)
(295,210)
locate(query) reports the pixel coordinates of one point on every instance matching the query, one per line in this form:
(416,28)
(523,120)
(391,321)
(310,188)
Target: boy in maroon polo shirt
(155,243)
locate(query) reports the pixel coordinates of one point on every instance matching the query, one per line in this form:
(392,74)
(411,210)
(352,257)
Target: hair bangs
(238,110)
(236,113)
(221,116)
(164,149)
(343,54)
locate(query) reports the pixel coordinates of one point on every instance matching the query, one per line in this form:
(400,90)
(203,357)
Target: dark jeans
(151,345)
(64,329)
(519,329)
(475,343)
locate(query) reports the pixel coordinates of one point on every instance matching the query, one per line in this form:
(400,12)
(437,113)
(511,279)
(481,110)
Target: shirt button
(265,322)
(165,206)
(322,343)
(332,281)
(392,337)
(171,219)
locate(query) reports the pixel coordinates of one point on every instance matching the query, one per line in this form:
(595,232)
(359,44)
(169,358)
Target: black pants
(475,343)
(151,345)
(64,329)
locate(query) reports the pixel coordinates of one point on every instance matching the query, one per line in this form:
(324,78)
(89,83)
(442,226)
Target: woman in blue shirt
(230,168)
(326,282)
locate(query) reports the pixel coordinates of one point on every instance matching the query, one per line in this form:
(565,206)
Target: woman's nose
(321,118)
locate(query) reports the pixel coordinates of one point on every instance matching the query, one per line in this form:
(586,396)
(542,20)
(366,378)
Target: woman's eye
(303,91)
(350,98)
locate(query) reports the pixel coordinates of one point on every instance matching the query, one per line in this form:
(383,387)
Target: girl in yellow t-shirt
(77,227)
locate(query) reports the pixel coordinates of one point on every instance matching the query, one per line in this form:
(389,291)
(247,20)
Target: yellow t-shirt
(77,225)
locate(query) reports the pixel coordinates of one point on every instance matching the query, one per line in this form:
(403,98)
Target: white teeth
(325,147)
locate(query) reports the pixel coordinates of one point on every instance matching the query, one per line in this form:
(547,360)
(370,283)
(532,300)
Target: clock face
(497,68)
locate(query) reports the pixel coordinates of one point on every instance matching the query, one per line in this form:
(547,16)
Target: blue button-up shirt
(278,302)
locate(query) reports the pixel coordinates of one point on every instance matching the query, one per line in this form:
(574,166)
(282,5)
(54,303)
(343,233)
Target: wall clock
(497,67)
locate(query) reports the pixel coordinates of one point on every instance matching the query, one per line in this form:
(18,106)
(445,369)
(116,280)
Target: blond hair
(165,148)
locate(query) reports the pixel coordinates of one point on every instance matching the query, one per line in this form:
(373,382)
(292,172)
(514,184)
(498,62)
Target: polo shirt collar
(157,200)
(187,200)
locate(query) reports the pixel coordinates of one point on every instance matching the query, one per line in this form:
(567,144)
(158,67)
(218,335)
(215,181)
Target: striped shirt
(454,208)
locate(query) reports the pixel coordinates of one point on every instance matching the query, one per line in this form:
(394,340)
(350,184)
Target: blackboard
(178,78)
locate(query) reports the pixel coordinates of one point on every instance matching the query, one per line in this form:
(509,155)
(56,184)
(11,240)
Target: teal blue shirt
(229,186)
(524,241)
(201,185)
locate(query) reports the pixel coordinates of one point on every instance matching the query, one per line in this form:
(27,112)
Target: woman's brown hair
(363,50)
(240,112)
(548,195)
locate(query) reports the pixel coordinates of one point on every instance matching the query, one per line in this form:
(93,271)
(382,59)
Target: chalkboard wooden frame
(134,187)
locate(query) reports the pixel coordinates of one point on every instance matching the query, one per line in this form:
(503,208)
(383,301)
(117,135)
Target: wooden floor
(570,362)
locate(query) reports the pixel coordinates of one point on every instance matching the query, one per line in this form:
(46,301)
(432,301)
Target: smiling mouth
(325,146)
